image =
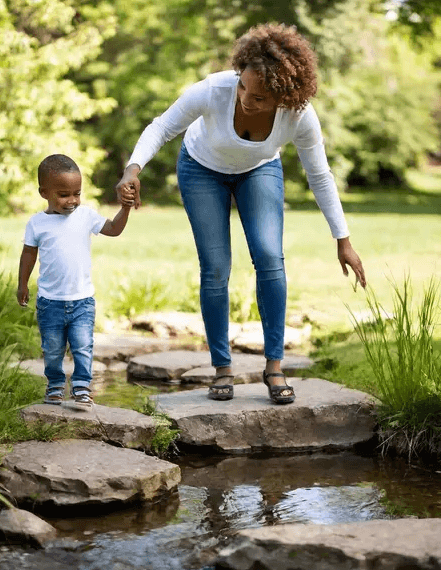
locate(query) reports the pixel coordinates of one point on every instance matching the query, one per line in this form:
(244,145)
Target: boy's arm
(115,227)
(27,263)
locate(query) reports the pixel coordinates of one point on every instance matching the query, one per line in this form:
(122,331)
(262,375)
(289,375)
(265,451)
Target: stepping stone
(165,366)
(170,324)
(114,425)
(36,366)
(80,473)
(23,527)
(109,347)
(250,339)
(247,368)
(324,416)
(393,545)
(191,367)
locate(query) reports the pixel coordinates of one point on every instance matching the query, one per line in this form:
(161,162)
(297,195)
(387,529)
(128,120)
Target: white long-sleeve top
(206,110)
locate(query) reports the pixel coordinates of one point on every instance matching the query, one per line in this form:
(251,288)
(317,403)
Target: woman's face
(252,95)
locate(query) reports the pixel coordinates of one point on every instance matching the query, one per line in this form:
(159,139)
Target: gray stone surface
(79,472)
(170,324)
(165,366)
(115,425)
(108,347)
(36,366)
(184,366)
(403,544)
(324,415)
(19,526)
(250,339)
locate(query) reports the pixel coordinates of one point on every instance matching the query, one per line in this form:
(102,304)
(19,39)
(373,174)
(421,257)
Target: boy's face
(62,192)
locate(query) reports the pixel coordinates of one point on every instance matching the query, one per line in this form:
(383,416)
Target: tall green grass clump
(407,369)
(18,325)
(19,339)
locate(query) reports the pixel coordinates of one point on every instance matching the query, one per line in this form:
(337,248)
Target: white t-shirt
(64,252)
(206,110)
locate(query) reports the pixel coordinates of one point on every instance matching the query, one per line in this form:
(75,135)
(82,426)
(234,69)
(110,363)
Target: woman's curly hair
(283,59)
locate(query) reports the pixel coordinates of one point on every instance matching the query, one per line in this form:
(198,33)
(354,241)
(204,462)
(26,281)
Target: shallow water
(218,495)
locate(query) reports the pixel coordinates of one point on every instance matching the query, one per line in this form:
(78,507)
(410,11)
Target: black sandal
(221,391)
(279,394)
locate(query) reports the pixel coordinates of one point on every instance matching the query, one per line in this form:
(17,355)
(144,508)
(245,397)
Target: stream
(220,495)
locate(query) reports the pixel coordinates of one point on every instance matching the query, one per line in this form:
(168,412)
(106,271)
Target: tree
(376,117)
(40,106)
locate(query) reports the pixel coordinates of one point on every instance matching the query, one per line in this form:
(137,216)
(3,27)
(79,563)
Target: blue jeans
(62,322)
(259,196)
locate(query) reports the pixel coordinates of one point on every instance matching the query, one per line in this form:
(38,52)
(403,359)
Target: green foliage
(376,98)
(407,368)
(419,17)
(164,434)
(243,303)
(19,339)
(18,325)
(40,106)
(132,298)
(84,78)
(159,49)
(17,390)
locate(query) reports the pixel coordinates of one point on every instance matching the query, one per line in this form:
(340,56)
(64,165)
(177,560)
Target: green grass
(395,233)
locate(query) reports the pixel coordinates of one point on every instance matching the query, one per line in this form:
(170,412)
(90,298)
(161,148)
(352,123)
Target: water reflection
(243,507)
(329,505)
(219,495)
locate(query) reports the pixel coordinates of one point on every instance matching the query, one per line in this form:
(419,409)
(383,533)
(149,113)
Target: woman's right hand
(128,183)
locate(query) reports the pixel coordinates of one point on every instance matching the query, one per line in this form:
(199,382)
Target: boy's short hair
(55,164)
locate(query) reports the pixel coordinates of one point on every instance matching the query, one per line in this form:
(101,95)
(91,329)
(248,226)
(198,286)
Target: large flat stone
(108,347)
(191,367)
(165,366)
(403,544)
(324,415)
(114,425)
(80,472)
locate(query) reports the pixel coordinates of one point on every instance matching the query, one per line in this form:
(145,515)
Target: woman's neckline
(233,104)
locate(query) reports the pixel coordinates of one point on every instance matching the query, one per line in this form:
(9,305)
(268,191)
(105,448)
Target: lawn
(395,233)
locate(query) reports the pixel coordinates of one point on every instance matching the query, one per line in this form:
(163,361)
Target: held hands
(347,256)
(127,189)
(127,196)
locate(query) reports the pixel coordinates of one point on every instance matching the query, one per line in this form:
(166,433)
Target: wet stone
(392,545)
(324,416)
(81,473)
(19,526)
(113,425)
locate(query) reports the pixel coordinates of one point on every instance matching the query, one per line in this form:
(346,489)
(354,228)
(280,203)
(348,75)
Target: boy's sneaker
(82,399)
(54,398)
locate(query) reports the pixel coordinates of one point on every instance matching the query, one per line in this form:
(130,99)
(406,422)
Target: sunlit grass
(392,239)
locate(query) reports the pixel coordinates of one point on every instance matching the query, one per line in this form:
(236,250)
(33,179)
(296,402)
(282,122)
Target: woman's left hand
(347,256)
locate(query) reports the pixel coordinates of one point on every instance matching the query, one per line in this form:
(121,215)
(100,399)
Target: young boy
(65,305)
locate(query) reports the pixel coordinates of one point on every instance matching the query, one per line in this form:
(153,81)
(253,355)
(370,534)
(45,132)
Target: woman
(235,122)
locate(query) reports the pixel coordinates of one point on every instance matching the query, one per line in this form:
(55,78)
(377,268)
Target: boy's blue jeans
(259,196)
(62,322)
